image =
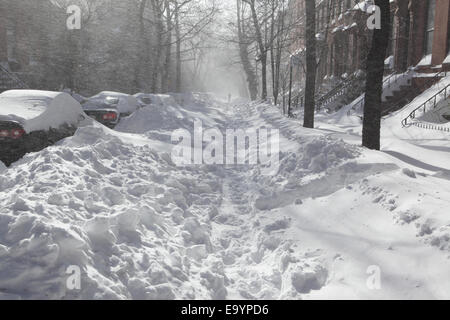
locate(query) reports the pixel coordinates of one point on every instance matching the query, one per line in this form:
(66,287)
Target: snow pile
(338,209)
(39,110)
(130,219)
(114,204)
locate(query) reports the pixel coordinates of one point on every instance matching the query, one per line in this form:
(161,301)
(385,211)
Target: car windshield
(94,105)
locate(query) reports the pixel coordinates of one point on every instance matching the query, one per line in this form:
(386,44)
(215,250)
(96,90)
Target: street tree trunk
(249,70)
(158,12)
(311,63)
(262,48)
(178,48)
(166,81)
(374,81)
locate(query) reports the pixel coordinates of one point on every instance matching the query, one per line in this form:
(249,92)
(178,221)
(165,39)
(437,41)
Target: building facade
(420,36)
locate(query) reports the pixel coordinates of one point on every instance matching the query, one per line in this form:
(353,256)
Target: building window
(429,31)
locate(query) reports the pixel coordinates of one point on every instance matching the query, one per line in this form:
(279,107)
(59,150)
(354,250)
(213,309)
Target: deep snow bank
(125,215)
(342,210)
(115,205)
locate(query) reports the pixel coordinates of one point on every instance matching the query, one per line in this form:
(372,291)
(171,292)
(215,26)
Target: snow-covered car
(106,114)
(144,99)
(31,120)
(161,100)
(125,103)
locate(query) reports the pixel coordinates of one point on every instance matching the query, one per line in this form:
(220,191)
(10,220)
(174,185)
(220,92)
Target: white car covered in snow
(31,120)
(125,103)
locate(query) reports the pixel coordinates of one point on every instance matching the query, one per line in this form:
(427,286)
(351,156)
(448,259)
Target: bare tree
(260,40)
(243,43)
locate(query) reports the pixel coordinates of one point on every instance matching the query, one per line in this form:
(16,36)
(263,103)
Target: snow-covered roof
(39,110)
(127,103)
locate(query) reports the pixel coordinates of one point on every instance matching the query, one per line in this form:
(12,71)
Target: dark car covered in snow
(31,120)
(124,103)
(103,112)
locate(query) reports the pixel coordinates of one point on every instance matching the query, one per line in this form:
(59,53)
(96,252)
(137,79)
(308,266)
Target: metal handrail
(389,83)
(412,115)
(14,78)
(335,92)
(331,93)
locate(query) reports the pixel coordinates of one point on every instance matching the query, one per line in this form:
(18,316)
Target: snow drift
(139,227)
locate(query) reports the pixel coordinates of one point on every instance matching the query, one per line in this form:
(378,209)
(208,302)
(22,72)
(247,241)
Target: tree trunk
(157,11)
(374,81)
(141,55)
(244,55)
(279,52)
(311,64)
(262,49)
(272,50)
(178,49)
(165,83)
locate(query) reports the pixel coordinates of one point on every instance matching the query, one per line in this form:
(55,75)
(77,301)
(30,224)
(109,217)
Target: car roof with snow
(126,104)
(39,110)
(92,105)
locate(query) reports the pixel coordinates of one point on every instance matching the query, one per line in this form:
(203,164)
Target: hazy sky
(225,75)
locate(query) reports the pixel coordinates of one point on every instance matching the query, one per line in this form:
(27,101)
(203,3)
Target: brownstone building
(419,41)
(420,35)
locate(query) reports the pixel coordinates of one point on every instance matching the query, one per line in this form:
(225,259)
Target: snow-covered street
(332,221)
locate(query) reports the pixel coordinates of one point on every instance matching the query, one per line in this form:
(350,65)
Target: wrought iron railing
(428,105)
(9,80)
(387,83)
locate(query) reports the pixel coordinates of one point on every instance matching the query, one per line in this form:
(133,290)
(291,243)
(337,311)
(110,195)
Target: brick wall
(441,31)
